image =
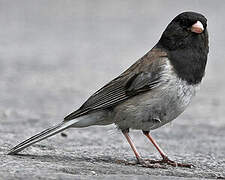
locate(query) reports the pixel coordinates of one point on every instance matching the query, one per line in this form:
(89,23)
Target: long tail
(42,135)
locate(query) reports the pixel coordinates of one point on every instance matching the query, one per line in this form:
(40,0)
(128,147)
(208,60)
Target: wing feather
(137,79)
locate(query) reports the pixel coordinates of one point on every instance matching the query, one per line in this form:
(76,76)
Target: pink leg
(164,156)
(146,133)
(139,159)
(126,134)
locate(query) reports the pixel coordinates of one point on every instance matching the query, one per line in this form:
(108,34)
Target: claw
(166,160)
(149,163)
(144,163)
(175,164)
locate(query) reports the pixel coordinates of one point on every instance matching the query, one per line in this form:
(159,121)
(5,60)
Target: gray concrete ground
(54,54)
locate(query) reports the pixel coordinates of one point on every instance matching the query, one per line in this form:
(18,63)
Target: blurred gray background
(55,53)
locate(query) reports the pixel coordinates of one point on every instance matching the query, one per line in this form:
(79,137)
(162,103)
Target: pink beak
(197,27)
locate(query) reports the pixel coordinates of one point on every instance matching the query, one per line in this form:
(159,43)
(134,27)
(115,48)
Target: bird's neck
(189,60)
(189,64)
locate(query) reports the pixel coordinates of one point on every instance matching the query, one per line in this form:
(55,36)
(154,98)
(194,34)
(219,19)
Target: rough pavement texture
(53,55)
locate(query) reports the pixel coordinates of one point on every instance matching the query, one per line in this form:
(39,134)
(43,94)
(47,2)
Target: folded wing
(139,78)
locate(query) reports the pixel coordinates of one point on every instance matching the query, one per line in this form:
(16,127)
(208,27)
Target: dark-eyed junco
(150,93)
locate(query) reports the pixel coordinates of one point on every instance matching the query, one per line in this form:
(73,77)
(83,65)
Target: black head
(179,34)
(186,41)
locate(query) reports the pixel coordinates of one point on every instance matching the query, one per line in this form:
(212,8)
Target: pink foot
(166,160)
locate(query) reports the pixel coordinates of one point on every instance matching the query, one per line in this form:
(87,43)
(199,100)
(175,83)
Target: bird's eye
(183,23)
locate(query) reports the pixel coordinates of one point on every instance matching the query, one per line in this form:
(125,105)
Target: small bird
(150,93)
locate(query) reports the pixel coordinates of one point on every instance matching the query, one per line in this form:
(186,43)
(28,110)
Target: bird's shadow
(67,158)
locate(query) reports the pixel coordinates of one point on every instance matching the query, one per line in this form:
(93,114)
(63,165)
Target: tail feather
(42,135)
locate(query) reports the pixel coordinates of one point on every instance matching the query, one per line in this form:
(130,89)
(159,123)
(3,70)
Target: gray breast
(157,107)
